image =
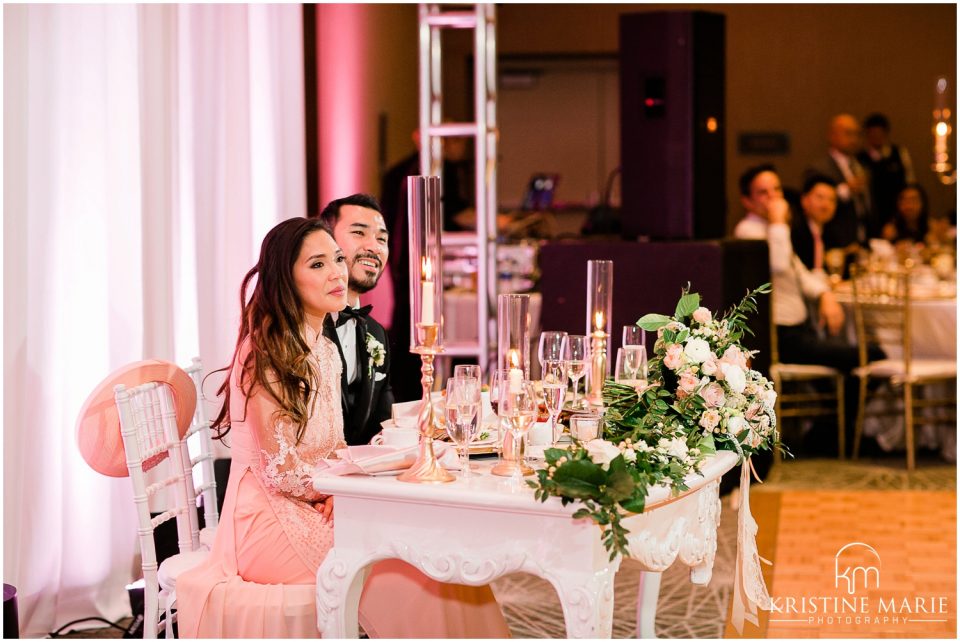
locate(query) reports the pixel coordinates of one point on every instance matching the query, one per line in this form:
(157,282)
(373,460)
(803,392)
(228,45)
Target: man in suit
(854,222)
(818,204)
(359,229)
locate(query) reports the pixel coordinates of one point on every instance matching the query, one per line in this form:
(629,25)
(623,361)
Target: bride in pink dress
(282,412)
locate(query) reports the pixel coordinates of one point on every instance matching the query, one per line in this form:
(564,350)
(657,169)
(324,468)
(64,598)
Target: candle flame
(513,358)
(598,320)
(426,268)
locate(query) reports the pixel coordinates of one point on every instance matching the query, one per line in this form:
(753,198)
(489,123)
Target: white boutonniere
(376,351)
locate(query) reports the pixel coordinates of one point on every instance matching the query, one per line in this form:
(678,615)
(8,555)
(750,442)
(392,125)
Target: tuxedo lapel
(361,410)
(330,332)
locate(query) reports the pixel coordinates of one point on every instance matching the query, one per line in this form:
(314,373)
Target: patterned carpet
(685,611)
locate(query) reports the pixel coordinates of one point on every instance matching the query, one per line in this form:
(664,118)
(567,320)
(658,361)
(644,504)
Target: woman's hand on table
(325,508)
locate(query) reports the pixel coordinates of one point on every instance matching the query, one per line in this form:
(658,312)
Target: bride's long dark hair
(271,322)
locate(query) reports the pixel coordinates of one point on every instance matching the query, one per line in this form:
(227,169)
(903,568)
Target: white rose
(676,447)
(629,455)
(642,446)
(697,350)
(736,425)
(734,377)
(602,452)
(770,397)
(702,315)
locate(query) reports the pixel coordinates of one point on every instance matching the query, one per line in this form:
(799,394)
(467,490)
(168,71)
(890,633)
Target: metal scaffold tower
(433,18)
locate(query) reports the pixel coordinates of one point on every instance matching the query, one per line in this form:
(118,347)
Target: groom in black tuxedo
(358,228)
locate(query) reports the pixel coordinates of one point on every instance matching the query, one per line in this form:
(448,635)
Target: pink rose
(674,357)
(702,315)
(709,367)
(688,381)
(735,357)
(713,395)
(709,419)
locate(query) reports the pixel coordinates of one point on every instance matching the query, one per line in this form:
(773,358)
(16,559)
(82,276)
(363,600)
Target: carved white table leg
(339,583)
(648,593)
(587,602)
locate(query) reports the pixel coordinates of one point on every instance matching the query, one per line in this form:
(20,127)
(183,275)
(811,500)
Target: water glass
(551,346)
(498,378)
(631,367)
(575,351)
(462,407)
(467,371)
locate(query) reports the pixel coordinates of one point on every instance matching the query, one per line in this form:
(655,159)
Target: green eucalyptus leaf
(653,322)
(686,305)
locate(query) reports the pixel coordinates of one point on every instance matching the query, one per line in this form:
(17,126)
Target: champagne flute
(631,367)
(575,350)
(554,392)
(462,406)
(471,371)
(498,378)
(518,405)
(551,346)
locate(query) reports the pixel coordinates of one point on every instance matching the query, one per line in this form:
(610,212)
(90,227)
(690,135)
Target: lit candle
(598,320)
(513,358)
(426,291)
(516,381)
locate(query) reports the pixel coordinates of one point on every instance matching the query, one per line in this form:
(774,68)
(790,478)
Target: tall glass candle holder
(513,332)
(599,322)
(513,352)
(426,311)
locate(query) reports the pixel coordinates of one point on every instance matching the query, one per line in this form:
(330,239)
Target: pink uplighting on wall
(341,83)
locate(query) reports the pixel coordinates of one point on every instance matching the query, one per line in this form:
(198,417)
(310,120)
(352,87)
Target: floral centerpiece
(704,397)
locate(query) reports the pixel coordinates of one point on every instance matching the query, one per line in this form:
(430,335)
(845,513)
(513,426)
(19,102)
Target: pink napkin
(371,460)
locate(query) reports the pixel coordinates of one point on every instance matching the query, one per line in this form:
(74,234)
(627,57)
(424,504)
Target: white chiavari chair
(151,438)
(882,312)
(201,464)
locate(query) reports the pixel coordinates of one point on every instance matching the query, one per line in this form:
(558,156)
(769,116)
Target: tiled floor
(805,510)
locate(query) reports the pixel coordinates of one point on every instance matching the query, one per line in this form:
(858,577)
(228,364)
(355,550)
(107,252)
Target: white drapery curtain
(147,150)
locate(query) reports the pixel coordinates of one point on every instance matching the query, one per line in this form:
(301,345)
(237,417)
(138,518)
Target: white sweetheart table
(472,532)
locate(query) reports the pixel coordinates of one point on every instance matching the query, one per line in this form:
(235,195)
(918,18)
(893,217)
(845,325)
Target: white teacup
(540,435)
(397,437)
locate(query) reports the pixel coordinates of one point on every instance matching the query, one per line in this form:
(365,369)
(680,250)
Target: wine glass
(551,346)
(633,335)
(467,371)
(554,382)
(518,406)
(574,351)
(462,406)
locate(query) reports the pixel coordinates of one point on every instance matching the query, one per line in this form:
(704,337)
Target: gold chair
(882,313)
(806,402)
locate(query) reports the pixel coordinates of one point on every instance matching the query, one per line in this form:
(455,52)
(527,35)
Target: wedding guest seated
(818,204)
(801,337)
(282,415)
(910,221)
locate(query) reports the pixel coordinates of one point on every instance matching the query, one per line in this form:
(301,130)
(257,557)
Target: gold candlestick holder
(426,469)
(598,367)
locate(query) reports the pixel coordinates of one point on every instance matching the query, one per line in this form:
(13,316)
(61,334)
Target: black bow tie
(353,313)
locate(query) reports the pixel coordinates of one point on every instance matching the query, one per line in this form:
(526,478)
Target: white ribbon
(749,589)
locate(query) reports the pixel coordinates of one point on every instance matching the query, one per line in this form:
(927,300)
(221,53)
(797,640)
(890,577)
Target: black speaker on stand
(672,125)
